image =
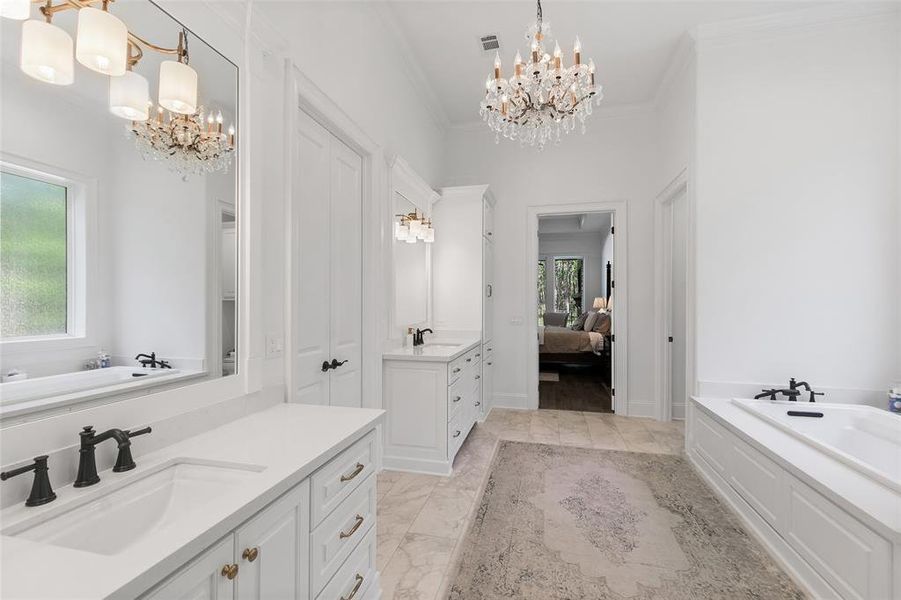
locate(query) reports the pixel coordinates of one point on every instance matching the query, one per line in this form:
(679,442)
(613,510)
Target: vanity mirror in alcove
(118,211)
(413,233)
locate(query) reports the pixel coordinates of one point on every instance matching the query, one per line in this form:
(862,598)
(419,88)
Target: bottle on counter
(894,399)
(408,339)
(104,359)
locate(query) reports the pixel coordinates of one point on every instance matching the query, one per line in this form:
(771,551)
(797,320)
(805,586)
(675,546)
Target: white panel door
(273,550)
(346,173)
(311,279)
(203,578)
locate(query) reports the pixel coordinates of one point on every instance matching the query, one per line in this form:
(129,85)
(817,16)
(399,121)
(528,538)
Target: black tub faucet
(87,462)
(41,491)
(794,385)
(149,360)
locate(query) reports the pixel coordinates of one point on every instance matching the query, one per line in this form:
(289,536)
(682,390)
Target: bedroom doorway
(574,285)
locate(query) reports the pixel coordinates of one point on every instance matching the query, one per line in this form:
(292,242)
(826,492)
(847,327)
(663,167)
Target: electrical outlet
(275,345)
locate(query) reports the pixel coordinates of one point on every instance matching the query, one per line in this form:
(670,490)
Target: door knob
(335,364)
(325,366)
(230,571)
(250,554)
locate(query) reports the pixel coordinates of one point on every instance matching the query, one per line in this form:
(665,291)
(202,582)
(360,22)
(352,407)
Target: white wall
(610,162)
(797,207)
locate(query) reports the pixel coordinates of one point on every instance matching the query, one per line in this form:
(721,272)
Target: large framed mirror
(118,208)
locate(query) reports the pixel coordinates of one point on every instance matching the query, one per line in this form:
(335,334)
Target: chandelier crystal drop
(544,98)
(189,144)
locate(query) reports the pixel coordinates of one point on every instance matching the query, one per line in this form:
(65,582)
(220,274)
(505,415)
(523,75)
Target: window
(568,277)
(41,235)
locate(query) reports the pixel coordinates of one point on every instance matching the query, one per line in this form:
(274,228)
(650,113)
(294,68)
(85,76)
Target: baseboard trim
(642,409)
(504,400)
(416,465)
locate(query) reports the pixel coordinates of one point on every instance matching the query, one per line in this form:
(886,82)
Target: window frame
(81,198)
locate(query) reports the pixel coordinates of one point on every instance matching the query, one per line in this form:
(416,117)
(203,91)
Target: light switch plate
(275,345)
(516,321)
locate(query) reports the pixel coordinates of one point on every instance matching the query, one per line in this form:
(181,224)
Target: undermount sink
(117,518)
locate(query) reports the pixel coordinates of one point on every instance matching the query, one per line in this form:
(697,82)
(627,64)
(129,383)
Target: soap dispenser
(408,339)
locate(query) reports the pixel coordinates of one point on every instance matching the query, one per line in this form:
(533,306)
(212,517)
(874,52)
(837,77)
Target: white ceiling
(631,42)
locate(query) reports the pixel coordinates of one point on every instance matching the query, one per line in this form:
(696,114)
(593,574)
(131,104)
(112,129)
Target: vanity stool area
(278,504)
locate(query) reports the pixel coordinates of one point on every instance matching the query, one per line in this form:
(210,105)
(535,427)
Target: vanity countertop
(289,440)
(434,350)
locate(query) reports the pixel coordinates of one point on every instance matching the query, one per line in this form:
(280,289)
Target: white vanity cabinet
(316,541)
(432,403)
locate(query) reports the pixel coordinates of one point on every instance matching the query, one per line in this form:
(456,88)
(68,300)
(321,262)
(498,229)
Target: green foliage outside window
(542,291)
(33,264)
(568,287)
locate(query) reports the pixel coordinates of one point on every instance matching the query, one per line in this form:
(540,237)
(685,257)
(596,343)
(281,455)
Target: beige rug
(562,523)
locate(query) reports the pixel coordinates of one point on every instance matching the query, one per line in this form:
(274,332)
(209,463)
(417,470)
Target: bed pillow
(590,320)
(602,324)
(579,325)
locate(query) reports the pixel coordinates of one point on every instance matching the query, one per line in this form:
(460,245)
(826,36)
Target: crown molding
(410,66)
(795,22)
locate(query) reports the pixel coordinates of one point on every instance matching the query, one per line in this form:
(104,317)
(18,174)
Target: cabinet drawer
(457,429)
(337,536)
(456,394)
(340,476)
(357,573)
(461,364)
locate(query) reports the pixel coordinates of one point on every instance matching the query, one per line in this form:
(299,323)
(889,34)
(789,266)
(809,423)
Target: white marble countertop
(874,504)
(289,440)
(437,349)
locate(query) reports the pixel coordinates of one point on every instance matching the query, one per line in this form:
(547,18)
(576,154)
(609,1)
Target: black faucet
(149,360)
(792,394)
(417,337)
(87,463)
(794,385)
(41,491)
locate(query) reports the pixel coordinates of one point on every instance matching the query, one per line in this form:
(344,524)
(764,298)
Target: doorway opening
(574,292)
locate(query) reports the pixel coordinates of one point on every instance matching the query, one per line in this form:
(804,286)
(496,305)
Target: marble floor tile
(445,513)
(417,568)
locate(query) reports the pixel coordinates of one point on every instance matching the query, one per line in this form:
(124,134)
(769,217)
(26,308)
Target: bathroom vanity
(433,397)
(278,504)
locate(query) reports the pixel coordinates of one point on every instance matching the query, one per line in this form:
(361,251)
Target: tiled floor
(421,518)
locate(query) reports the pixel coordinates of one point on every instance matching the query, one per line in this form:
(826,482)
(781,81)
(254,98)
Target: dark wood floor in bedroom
(579,388)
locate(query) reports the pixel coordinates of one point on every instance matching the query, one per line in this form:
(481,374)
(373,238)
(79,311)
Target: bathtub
(55,390)
(862,437)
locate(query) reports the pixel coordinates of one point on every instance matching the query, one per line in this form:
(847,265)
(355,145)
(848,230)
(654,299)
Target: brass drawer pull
(359,469)
(250,554)
(456,369)
(478,355)
(456,398)
(490,363)
(230,571)
(352,530)
(457,433)
(468,360)
(478,376)
(356,589)
(478,404)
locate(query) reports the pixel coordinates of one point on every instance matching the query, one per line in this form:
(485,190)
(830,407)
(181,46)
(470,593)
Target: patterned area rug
(563,523)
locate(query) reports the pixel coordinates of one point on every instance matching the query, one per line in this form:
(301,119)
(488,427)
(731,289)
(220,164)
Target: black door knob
(325,366)
(335,364)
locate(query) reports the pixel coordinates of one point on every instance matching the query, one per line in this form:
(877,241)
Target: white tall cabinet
(326,269)
(463,272)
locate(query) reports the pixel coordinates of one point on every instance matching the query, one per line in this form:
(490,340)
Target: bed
(563,345)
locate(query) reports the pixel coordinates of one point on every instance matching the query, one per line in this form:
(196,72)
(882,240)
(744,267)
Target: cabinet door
(310,274)
(488,296)
(487,219)
(272,550)
(202,579)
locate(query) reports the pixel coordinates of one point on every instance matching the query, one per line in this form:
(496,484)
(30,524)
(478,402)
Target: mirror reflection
(411,268)
(118,215)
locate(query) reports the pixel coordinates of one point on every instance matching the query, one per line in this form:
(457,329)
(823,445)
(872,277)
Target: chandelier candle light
(544,98)
(104,44)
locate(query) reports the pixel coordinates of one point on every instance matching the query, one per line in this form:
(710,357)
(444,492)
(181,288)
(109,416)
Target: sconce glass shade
(415,228)
(178,87)
(46,53)
(401,231)
(129,96)
(18,10)
(102,42)
(429,236)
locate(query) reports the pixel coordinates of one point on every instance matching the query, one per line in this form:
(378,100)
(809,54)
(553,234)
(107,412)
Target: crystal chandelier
(190,144)
(544,99)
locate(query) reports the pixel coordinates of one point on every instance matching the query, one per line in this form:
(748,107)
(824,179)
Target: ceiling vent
(490,42)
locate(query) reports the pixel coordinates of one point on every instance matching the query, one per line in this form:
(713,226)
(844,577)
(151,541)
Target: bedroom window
(568,286)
